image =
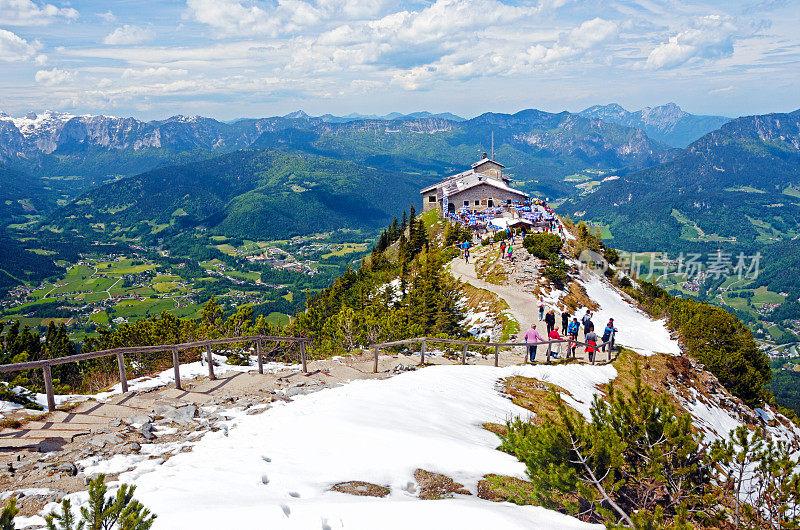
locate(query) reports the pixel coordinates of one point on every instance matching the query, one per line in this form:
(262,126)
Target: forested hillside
(271,194)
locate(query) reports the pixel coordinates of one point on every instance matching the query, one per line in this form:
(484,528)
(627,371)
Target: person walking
(550,320)
(531,338)
(608,335)
(553,335)
(541,309)
(587,322)
(591,342)
(510,253)
(564,321)
(572,331)
(502,248)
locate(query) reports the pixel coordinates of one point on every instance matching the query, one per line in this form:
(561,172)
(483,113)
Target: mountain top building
(479,188)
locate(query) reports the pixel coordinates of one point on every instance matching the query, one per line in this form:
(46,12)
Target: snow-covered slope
(275,469)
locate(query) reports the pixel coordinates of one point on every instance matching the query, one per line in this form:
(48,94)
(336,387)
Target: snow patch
(277,467)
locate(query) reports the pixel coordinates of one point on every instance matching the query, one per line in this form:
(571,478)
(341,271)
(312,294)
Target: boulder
(360,488)
(437,486)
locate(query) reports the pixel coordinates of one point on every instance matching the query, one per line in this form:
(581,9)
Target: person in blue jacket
(608,335)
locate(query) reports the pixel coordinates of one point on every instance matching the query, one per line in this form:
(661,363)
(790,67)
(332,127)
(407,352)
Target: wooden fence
(423,341)
(47,364)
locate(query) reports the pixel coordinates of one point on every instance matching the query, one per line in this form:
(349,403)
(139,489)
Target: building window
(431,198)
(477,202)
(490,203)
(466,203)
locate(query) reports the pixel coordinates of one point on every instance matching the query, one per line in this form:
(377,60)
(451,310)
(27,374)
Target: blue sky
(247,58)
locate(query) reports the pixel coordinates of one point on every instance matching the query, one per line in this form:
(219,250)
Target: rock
(97,442)
(437,486)
(68,468)
(116,422)
(139,419)
(146,430)
(297,391)
(362,489)
(163,410)
(183,416)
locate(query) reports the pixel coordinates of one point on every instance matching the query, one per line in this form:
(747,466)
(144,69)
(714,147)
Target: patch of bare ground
(534,395)
(492,268)
(576,297)
(437,486)
(361,489)
(501,488)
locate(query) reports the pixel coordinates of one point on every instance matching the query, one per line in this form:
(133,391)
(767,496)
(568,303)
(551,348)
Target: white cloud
(28,13)
(128,34)
(54,76)
(108,16)
(161,72)
(710,38)
(15,48)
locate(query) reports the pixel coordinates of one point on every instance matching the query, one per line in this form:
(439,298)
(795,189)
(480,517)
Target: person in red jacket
(553,335)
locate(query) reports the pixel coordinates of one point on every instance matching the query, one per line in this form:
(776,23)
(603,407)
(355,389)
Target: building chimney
(485,155)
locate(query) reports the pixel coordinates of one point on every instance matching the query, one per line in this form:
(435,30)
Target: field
(107,290)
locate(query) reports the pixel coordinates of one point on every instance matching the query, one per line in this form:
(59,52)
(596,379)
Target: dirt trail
(522,305)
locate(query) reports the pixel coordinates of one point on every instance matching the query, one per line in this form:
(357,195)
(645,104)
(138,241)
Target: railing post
(210,361)
(48,388)
(176,365)
(260,359)
(497,355)
(123,378)
(422,352)
(549,350)
(303,356)
(464,355)
(375,366)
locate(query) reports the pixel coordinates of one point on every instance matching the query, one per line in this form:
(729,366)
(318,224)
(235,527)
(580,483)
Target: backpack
(591,346)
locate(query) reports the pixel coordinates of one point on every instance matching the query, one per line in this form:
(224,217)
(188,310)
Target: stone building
(484,186)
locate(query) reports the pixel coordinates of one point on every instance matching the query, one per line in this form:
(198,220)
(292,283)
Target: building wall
(490,168)
(427,204)
(482,193)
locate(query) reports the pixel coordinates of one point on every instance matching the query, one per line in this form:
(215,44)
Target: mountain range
(738,184)
(666,123)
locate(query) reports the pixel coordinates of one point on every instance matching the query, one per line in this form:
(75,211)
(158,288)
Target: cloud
(28,13)
(55,76)
(127,35)
(15,48)
(108,16)
(710,38)
(722,90)
(162,72)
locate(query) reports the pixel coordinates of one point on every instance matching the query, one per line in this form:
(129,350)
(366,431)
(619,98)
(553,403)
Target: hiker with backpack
(541,309)
(587,323)
(531,338)
(591,342)
(608,335)
(572,331)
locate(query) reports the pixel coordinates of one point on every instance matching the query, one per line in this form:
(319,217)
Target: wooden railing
(423,341)
(47,364)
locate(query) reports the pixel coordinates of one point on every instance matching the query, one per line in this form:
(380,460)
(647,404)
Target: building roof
(456,186)
(483,161)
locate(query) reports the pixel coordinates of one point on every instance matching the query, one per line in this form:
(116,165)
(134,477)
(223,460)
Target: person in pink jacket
(531,338)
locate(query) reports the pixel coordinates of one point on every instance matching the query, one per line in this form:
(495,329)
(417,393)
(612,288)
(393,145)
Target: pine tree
(8,514)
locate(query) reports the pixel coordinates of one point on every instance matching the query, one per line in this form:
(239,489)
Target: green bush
(717,339)
(543,246)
